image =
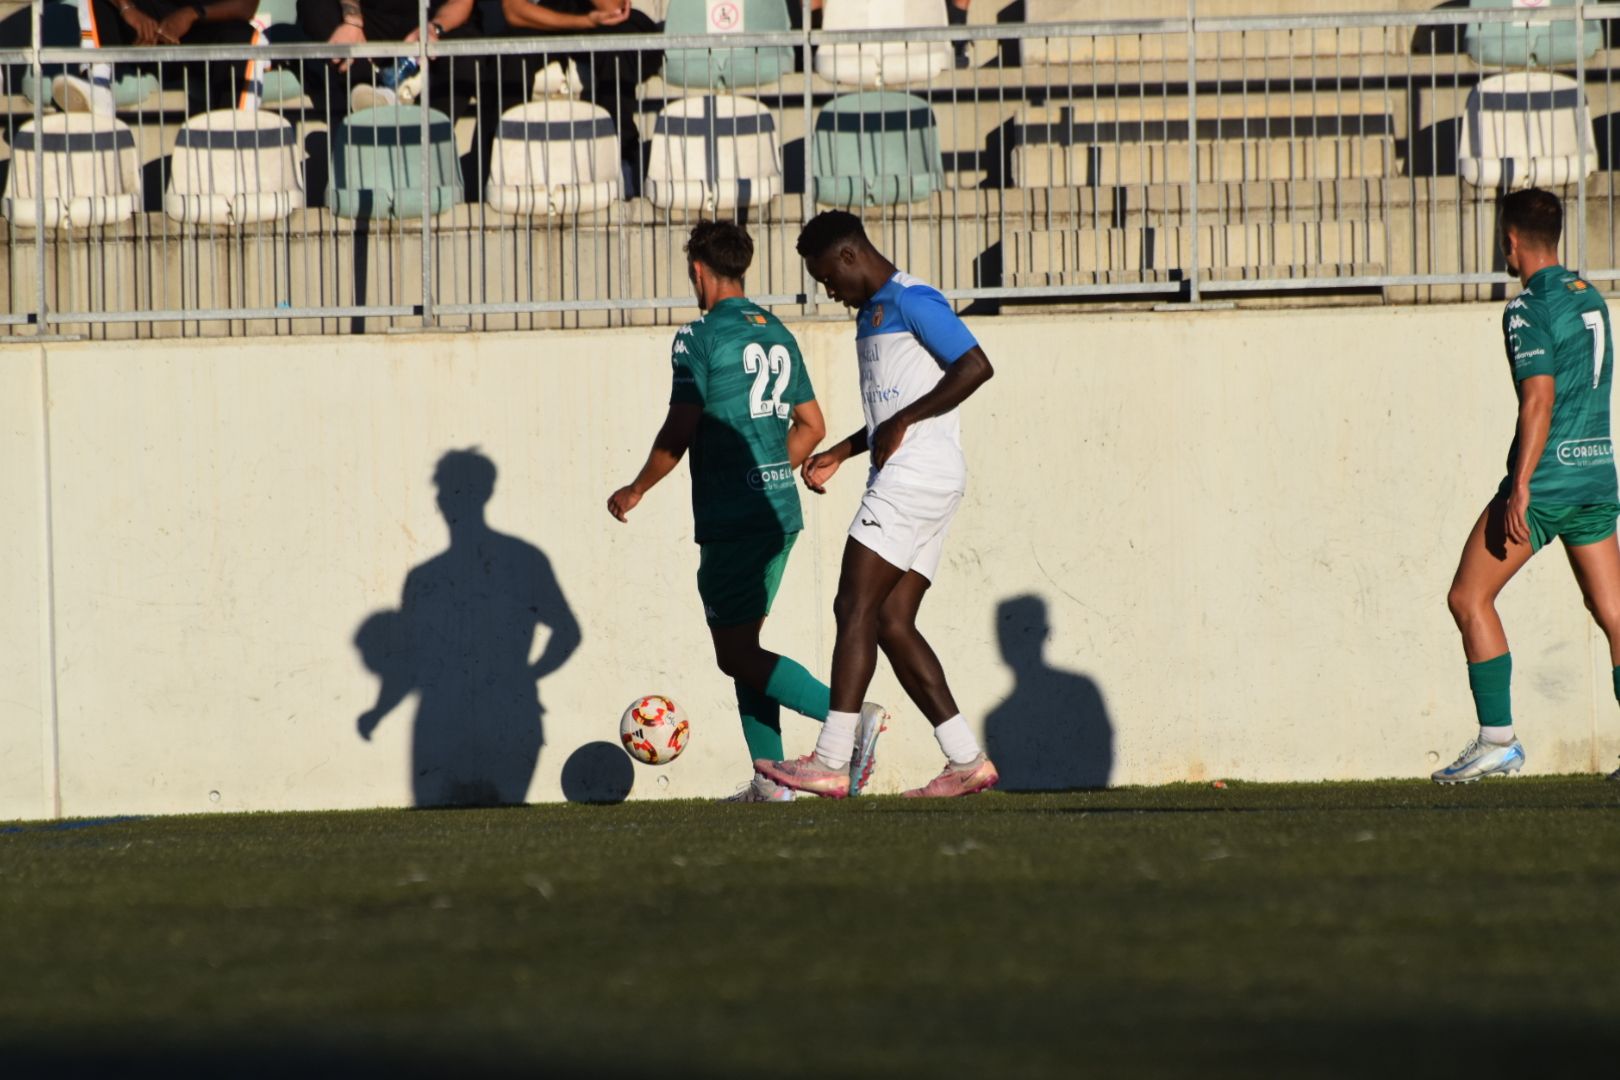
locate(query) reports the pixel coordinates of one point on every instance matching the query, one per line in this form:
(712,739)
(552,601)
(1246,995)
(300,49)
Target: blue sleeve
(928,315)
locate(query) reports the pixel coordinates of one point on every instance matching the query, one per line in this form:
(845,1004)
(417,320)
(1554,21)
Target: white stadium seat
(888,63)
(714,153)
(1523,130)
(235,168)
(92,172)
(554,157)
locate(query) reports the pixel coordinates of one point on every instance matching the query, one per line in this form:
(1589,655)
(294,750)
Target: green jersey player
(742,403)
(1560,472)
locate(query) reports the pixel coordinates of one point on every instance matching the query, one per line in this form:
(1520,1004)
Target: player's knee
(1464,604)
(851,610)
(892,630)
(1606,611)
(726,661)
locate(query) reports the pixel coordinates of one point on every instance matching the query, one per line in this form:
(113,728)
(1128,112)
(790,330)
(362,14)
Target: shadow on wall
(462,640)
(598,772)
(1052,733)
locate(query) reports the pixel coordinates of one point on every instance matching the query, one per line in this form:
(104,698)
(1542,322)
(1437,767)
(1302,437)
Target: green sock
(1489,681)
(799,690)
(761,723)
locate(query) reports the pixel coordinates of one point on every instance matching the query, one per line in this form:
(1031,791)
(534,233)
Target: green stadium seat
(876,148)
(1526,44)
(377,164)
(723,66)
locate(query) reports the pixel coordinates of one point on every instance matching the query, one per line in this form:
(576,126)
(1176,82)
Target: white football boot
(1480,758)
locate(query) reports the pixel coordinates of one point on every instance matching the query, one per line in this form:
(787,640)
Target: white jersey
(905,338)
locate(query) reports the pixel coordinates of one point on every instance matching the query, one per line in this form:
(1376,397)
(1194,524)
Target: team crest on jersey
(1576,286)
(758,320)
(877,316)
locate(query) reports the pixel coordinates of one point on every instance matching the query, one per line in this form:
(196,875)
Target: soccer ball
(654,730)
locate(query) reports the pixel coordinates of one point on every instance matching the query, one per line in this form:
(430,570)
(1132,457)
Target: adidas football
(654,730)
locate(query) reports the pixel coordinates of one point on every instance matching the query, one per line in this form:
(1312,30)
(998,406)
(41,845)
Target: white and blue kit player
(918,363)
(906,338)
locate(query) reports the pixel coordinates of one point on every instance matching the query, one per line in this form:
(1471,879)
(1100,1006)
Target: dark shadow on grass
(250,1055)
(462,641)
(1052,733)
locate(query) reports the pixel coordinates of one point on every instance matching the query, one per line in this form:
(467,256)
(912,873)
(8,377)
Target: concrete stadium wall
(1196,545)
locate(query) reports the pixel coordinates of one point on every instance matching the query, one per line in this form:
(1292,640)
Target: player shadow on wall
(1052,733)
(462,640)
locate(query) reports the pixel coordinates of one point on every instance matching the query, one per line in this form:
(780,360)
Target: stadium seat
(235,168)
(377,164)
(1527,44)
(129,90)
(554,157)
(876,149)
(714,153)
(278,85)
(888,63)
(1053,149)
(92,172)
(723,66)
(1522,129)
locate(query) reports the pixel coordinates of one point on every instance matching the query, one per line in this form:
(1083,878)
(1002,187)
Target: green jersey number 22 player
(741,401)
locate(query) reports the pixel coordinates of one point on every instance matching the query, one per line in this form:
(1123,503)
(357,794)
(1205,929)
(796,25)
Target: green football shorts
(1577,525)
(738,579)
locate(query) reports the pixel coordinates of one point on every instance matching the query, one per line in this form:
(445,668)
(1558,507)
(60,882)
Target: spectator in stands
(113,23)
(59,28)
(610,78)
(352,22)
(956,13)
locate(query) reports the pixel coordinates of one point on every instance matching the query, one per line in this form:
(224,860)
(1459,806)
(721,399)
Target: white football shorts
(905,526)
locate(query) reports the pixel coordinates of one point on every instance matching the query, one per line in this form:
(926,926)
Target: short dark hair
(723,246)
(828,229)
(1536,215)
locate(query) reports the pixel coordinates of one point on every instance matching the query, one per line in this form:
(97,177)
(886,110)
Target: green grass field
(1259,930)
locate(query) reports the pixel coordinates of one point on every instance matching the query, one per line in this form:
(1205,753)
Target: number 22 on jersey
(762,365)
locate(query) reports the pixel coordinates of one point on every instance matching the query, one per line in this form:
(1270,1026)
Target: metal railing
(1173,160)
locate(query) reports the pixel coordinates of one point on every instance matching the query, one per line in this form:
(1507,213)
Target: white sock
(956,739)
(837,742)
(1499,735)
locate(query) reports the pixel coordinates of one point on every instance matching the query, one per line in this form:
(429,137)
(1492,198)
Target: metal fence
(551,181)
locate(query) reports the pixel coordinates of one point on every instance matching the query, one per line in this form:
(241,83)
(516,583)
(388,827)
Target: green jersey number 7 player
(742,403)
(1560,473)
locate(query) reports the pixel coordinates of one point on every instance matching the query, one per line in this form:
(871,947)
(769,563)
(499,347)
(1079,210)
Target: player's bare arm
(819,468)
(1536,395)
(806,430)
(970,371)
(669,446)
